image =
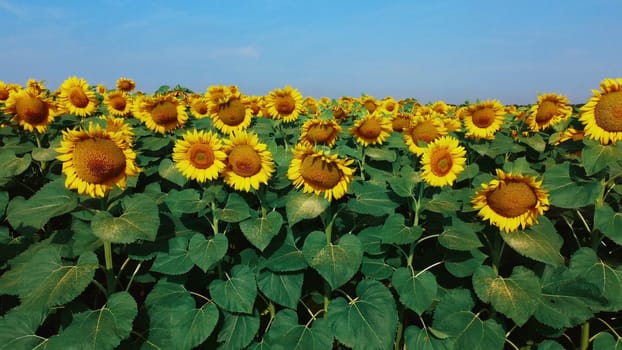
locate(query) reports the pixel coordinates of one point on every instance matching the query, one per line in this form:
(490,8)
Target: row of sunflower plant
(181,220)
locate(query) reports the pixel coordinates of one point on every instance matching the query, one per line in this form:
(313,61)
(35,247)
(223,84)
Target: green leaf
(417,291)
(550,345)
(519,166)
(371,199)
(459,236)
(236,209)
(443,202)
(18,329)
(371,238)
(540,242)
(44,154)
(238,292)
(376,268)
(422,339)
(182,202)
(287,257)
(140,220)
(606,341)
(377,153)
(596,157)
(12,165)
(368,321)
(517,296)
(4,200)
(337,263)
(395,231)
(167,170)
(404,184)
(51,200)
(317,337)
(608,222)
(585,263)
(205,253)
(535,141)
(177,260)
(99,329)
(470,332)
(462,263)
(301,206)
(564,192)
(237,331)
(260,231)
(284,288)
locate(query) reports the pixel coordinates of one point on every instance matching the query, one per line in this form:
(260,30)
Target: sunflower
(550,110)
(230,114)
(35,86)
(76,98)
(511,201)
(199,155)
(125,84)
(32,110)
(340,113)
(602,114)
(215,93)
(389,106)
(401,121)
(311,105)
(482,120)
(570,134)
(94,160)
(254,103)
(249,163)
(285,104)
(199,105)
(6,90)
(452,123)
(442,161)
(160,113)
(317,131)
(424,129)
(369,102)
(371,129)
(320,172)
(118,103)
(440,107)
(118,125)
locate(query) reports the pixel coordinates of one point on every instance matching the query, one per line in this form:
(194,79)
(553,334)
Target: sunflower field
(220,220)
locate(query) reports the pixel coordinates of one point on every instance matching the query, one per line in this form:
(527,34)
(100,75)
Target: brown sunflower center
(4,93)
(232,113)
(512,199)
(320,133)
(117,102)
(424,131)
(370,128)
(200,107)
(284,104)
(370,106)
(339,113)
(31,110)
(201,156)
(608,111)
(546,112)
(441,162)
(391,107)
(164,113)
(78,98)
(484,117)
(125,85)
(98,161)
(320,174)
(244,160)
(400,123)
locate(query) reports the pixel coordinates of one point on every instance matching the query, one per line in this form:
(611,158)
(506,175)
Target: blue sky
(429,50)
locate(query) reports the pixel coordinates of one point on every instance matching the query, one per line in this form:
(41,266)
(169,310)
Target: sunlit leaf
(205,253)
(396,231)
(540,242)
(167,170)
(417,290)
(338,262)
(301,206)
(260,231)
(238,292)
(139,220)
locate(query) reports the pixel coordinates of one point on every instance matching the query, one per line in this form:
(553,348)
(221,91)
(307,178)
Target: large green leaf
(236,209)
(237,331)
(368,321)
(284,288)
(285,333)
(177,260)
(18,329)
(12,165)
(167,170)
(51,200)
(99,329)
(185,201)
(516,296)
(540,242)
(423,339)
(140,220)
(608,222)
(371,199)
(376,268)
(462,263)
(238,292)
(337,263)
(585,263)
(596,156)
(459,236)
(443,202)
(606,341)
(396,231)
(287,257)
(260,231)
(565,192)
(302,206)
(417,291)
(205,253)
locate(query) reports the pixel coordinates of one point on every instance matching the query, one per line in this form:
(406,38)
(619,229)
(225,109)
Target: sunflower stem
(42,164)
(109,267)
(416,208)
(585,336)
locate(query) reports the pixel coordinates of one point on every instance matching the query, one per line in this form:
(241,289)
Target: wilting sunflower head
(371,129)
(482,120)
(249,163)
(320,132)
(550,110)
(570,134)
(320,173)
(31,110)
(511,201)
(230,114)
(76,97)
(118,103)
(285,104)
(94,160)
(125,84)
(423,130)
(442,161)
(199,156)
(401,121)
(602,114)
(35,86)
(160,113)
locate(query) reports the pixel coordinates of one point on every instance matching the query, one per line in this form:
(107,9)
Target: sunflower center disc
(608,111)
(370,106)
(424,132)
(400,122)
(319,173)
(512,199)
(125,85)
(4,94)
(483,118)
(31,110)
(244,160)
(546,112)
(200,107)
(232,113)
(285,104)
(118,103)
(201,156)
(370,129)
(78,98)
(319,133)
(441,162)
(164,113)
(98,160)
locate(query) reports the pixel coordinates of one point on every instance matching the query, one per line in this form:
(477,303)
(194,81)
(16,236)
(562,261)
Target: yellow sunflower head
(94,160)
(570,134)
(316,131)
(511,201)
(482,120)
(215,93)
(423,130)
(602,114)
(285,104)
(76,98)
(371,129)
(101,89)
(369,102)
(254,104)
(550,110)
(35,86)
(118,125)
(320,173)
(389,106)
(7,89)
(452,123)
(312,105)
(249,163)
(230,114)
(198,105)
(401,121)
(442,161)
(31,110)
(199,156)
(440,107)
(118,103)
(160,113)
(125,84)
